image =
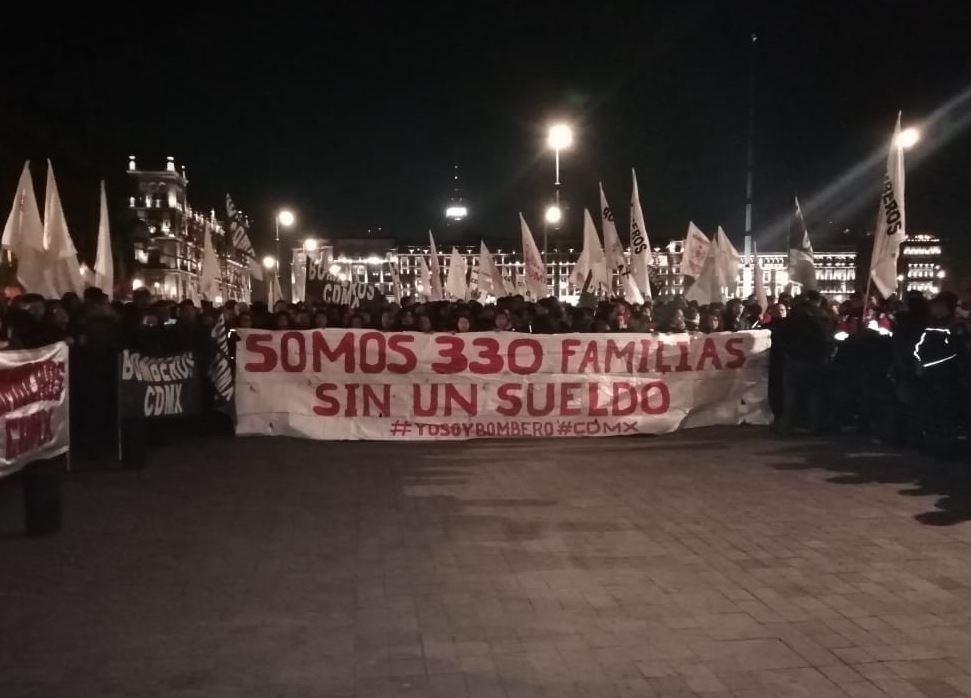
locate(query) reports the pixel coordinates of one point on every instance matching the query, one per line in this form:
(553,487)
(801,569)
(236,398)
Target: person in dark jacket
(809,344)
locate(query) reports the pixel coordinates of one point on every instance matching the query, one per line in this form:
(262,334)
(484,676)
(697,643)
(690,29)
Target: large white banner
(33,406)
(364,384)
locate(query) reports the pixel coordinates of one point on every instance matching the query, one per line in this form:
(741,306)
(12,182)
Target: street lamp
(269,262)
(285,218)
(554,215)
(908,138)
(560,137)
(310,245)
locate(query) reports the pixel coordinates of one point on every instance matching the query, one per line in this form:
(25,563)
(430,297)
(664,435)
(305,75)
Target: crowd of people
(898,368)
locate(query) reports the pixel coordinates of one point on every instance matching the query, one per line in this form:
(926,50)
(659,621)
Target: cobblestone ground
(717,562)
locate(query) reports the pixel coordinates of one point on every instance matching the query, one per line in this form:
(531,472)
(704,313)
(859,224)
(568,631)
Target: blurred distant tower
(456,211)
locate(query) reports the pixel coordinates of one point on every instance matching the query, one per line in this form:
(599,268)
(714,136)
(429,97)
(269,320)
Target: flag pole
(750,162)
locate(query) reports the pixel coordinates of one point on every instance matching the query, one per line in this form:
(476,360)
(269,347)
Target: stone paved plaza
(717,562)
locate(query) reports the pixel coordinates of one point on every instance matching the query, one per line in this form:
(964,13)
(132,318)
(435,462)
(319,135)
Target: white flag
(707,287)
(891,220)
(23,235)
(395,280)
(534,268)
(631,292)
(613,248)
(640,246)
(490,278)
(104,269)
(63,270)
(486,282)
(455,284)
(696,247)
(802,262)
(760,296)
(591,261)
(614,254)
(210,274)
(436,293)
(273,292)
(519,283)
(424,278)
(728,261)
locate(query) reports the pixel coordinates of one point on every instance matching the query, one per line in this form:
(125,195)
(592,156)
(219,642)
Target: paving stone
(711,562)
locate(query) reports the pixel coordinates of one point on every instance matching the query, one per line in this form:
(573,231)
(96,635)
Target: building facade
(168,236)
(835,271)
(921,260)
(837,275)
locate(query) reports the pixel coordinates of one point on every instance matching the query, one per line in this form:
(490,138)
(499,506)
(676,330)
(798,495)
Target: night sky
(354,114)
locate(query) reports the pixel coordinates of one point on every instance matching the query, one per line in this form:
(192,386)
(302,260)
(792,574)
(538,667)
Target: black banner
(158,386)
(324,286)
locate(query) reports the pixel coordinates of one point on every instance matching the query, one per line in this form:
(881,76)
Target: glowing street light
(908,138)
(269,262)
(310,245)
(560,137)
(286,218)
(457,212)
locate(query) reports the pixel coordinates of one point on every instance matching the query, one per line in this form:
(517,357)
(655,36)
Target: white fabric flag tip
(104,267)
(273,292)
(631,292)
(395,280)
(23,235)
(534,267)
(63,270)
(891,220)
(640,245)
(490,278)
(455,285)
(728,262)
(486,284)
(424,278)
(707,287)
(590,270)
(437,293)
(210,274)
(696,248)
